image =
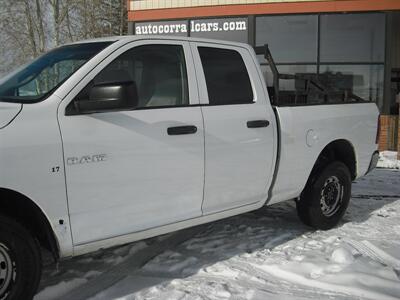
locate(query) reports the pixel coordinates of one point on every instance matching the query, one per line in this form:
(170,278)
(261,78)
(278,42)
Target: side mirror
(110,96)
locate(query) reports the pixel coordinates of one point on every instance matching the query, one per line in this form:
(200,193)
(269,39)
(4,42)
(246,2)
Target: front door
(131,170)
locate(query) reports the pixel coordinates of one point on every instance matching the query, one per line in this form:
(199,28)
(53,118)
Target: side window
(226,76)
(158,73)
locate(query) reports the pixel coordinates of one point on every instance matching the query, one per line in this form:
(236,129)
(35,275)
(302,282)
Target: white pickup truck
(109,141)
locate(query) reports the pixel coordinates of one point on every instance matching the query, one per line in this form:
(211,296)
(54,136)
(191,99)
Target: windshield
(37,80)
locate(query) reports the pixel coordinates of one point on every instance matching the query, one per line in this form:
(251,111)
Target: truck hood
(8,112)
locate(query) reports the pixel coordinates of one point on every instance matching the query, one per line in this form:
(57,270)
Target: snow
(52,292)
(388,159)
(266,254)
(342,255)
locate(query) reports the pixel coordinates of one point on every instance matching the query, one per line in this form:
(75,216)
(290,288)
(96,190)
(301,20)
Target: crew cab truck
(109,141)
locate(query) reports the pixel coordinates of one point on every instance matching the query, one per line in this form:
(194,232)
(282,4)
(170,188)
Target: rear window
(226,76)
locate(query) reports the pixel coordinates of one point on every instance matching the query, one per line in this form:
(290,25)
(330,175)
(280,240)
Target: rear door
(132,170)
(239,141)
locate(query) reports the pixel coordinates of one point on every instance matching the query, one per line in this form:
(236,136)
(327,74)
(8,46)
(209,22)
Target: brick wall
(388,138)
(157,4)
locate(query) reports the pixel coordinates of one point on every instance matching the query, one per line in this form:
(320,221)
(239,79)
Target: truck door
(239,127)
(131,170)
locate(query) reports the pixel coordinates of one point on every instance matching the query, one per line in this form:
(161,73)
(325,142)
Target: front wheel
(325,199)
(20,261)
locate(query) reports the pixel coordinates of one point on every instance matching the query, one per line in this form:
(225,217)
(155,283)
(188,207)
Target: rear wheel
(326,197)
(20,261)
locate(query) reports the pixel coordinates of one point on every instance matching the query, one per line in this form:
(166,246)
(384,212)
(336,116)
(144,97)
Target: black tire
(326,197)
(20,261)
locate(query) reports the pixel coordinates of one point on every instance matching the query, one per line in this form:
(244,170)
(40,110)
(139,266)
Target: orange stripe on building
(264,8)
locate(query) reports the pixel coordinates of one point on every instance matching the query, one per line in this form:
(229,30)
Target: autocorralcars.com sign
(229,28)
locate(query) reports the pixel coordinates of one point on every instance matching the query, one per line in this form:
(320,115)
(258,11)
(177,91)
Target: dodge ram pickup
(113,140)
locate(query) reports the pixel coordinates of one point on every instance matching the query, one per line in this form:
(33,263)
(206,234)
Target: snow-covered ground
(266,254)
(388,159)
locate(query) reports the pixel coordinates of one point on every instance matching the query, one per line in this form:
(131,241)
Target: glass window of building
(353,53)
(351,50)
(292,39)
(365,81)
(353,37)
(289,85)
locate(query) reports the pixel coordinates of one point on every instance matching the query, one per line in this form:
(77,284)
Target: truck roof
(131,38)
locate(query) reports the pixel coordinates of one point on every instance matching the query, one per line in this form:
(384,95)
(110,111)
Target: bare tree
(58,14)
(31,27)
(40,21)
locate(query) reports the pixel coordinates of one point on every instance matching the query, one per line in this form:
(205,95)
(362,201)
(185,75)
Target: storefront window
(289,85)
(291,39)
(353,38)
(351,57)
(365,81)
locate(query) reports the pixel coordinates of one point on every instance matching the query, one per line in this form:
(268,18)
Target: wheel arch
(340,150)
(26,212)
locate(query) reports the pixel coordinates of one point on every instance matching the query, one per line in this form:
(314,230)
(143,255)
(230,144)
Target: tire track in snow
(128,267)
(276,271)
(368,249)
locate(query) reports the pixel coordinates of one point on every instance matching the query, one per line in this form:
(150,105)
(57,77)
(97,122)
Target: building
(356,42)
